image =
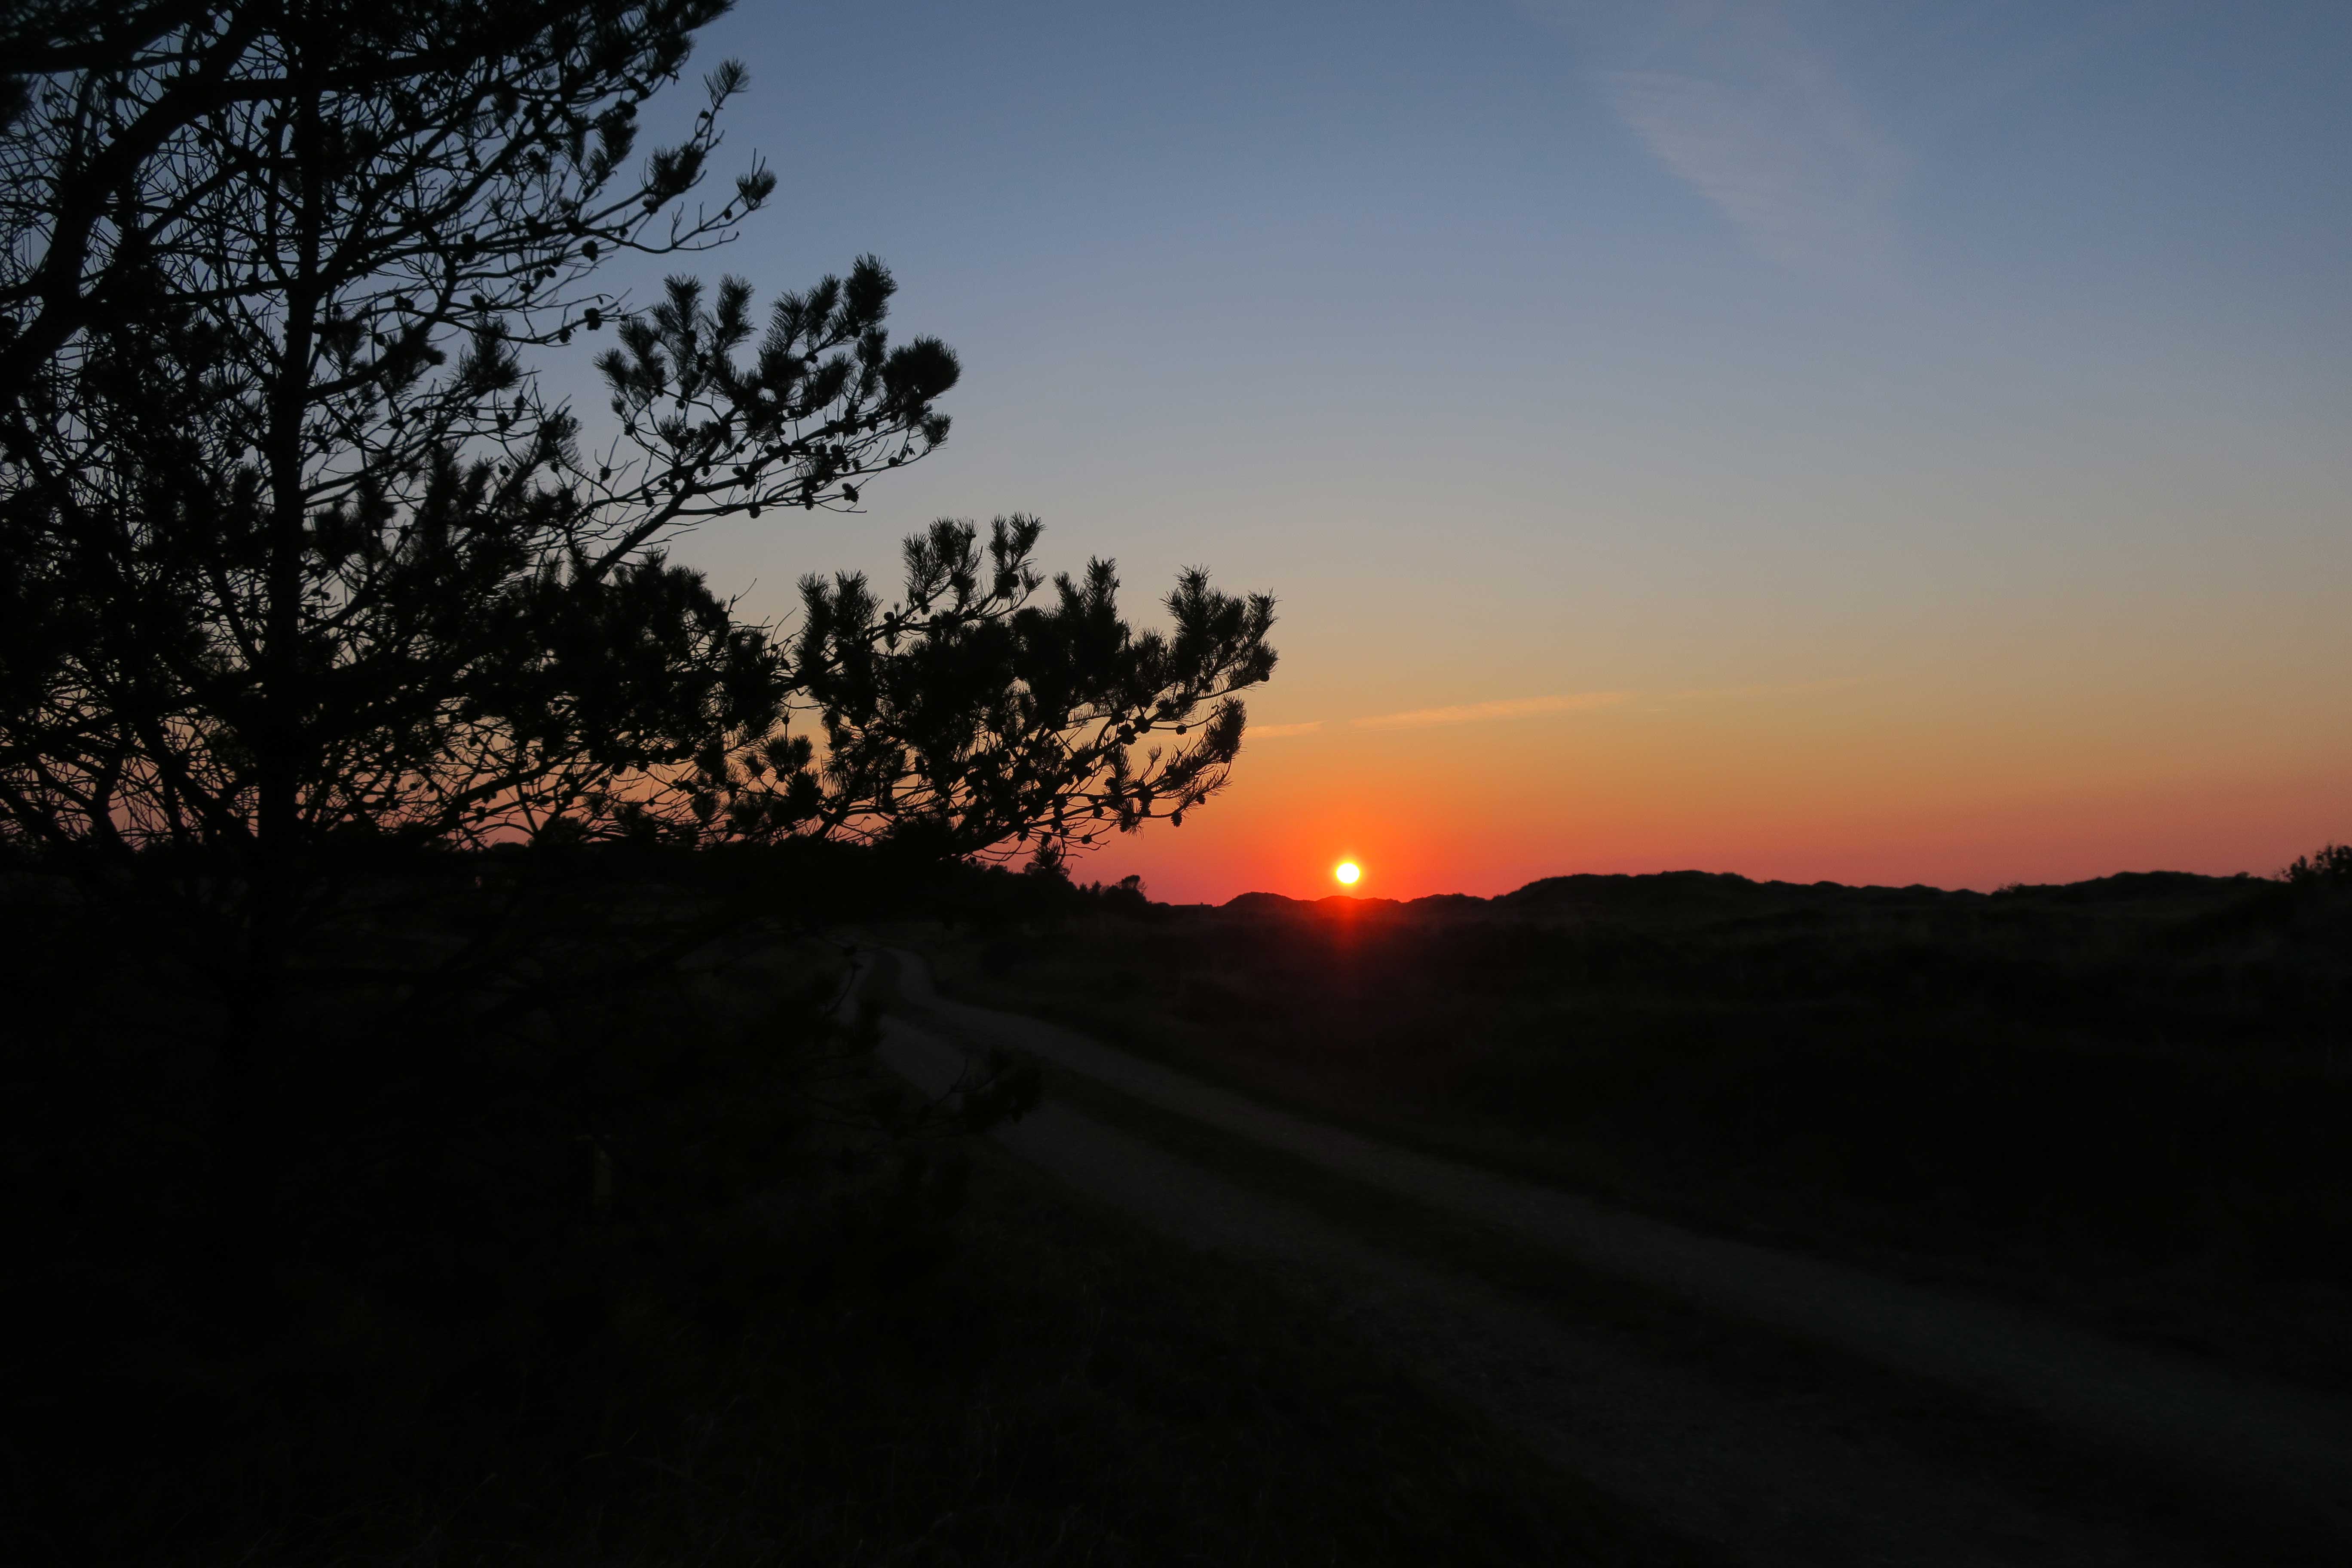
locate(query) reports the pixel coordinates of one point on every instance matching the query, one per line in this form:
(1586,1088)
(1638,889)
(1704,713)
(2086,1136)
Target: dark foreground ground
(664,1270)
(1791,1411)
(663,1276)
(2125,1102)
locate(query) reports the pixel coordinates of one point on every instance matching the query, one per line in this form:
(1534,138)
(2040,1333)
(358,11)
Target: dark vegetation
(657,1268)
(2128,1098)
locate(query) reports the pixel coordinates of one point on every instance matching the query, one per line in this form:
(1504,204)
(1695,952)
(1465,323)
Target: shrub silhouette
(2329,866)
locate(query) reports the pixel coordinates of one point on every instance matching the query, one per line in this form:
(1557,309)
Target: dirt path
(1790,1475)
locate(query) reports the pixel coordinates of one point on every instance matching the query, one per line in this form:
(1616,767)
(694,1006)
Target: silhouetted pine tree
(296,549)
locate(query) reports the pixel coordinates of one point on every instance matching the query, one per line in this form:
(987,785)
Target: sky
(1877,442)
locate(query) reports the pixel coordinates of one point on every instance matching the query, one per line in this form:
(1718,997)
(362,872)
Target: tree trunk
(257,1123)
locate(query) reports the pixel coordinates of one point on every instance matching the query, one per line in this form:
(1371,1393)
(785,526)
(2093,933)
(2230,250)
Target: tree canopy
(298,549)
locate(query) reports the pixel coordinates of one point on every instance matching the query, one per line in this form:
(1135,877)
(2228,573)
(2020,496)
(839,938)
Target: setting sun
(1347,871)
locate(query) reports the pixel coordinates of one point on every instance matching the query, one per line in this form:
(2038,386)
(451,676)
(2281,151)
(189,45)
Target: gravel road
(2182,1462)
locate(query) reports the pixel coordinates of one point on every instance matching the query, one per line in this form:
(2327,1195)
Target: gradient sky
(1881,442)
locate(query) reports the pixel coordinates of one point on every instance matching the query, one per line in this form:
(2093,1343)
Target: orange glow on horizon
(1852,794)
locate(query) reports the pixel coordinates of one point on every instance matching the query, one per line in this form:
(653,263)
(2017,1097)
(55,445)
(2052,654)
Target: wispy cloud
(1509,708)
(1805,182)
(1732,99)
(1731,693)
(1565,702)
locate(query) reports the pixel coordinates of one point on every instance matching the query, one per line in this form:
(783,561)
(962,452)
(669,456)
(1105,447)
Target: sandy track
(1789,1478)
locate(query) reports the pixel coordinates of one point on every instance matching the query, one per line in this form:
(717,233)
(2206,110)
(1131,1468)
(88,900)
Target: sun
(1347,872)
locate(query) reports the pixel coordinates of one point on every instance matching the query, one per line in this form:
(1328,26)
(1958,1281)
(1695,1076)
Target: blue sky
(1980,370)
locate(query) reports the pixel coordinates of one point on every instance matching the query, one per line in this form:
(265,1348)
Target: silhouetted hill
(2134,886)
(1279,903)
(1680,896)
(1698,898)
